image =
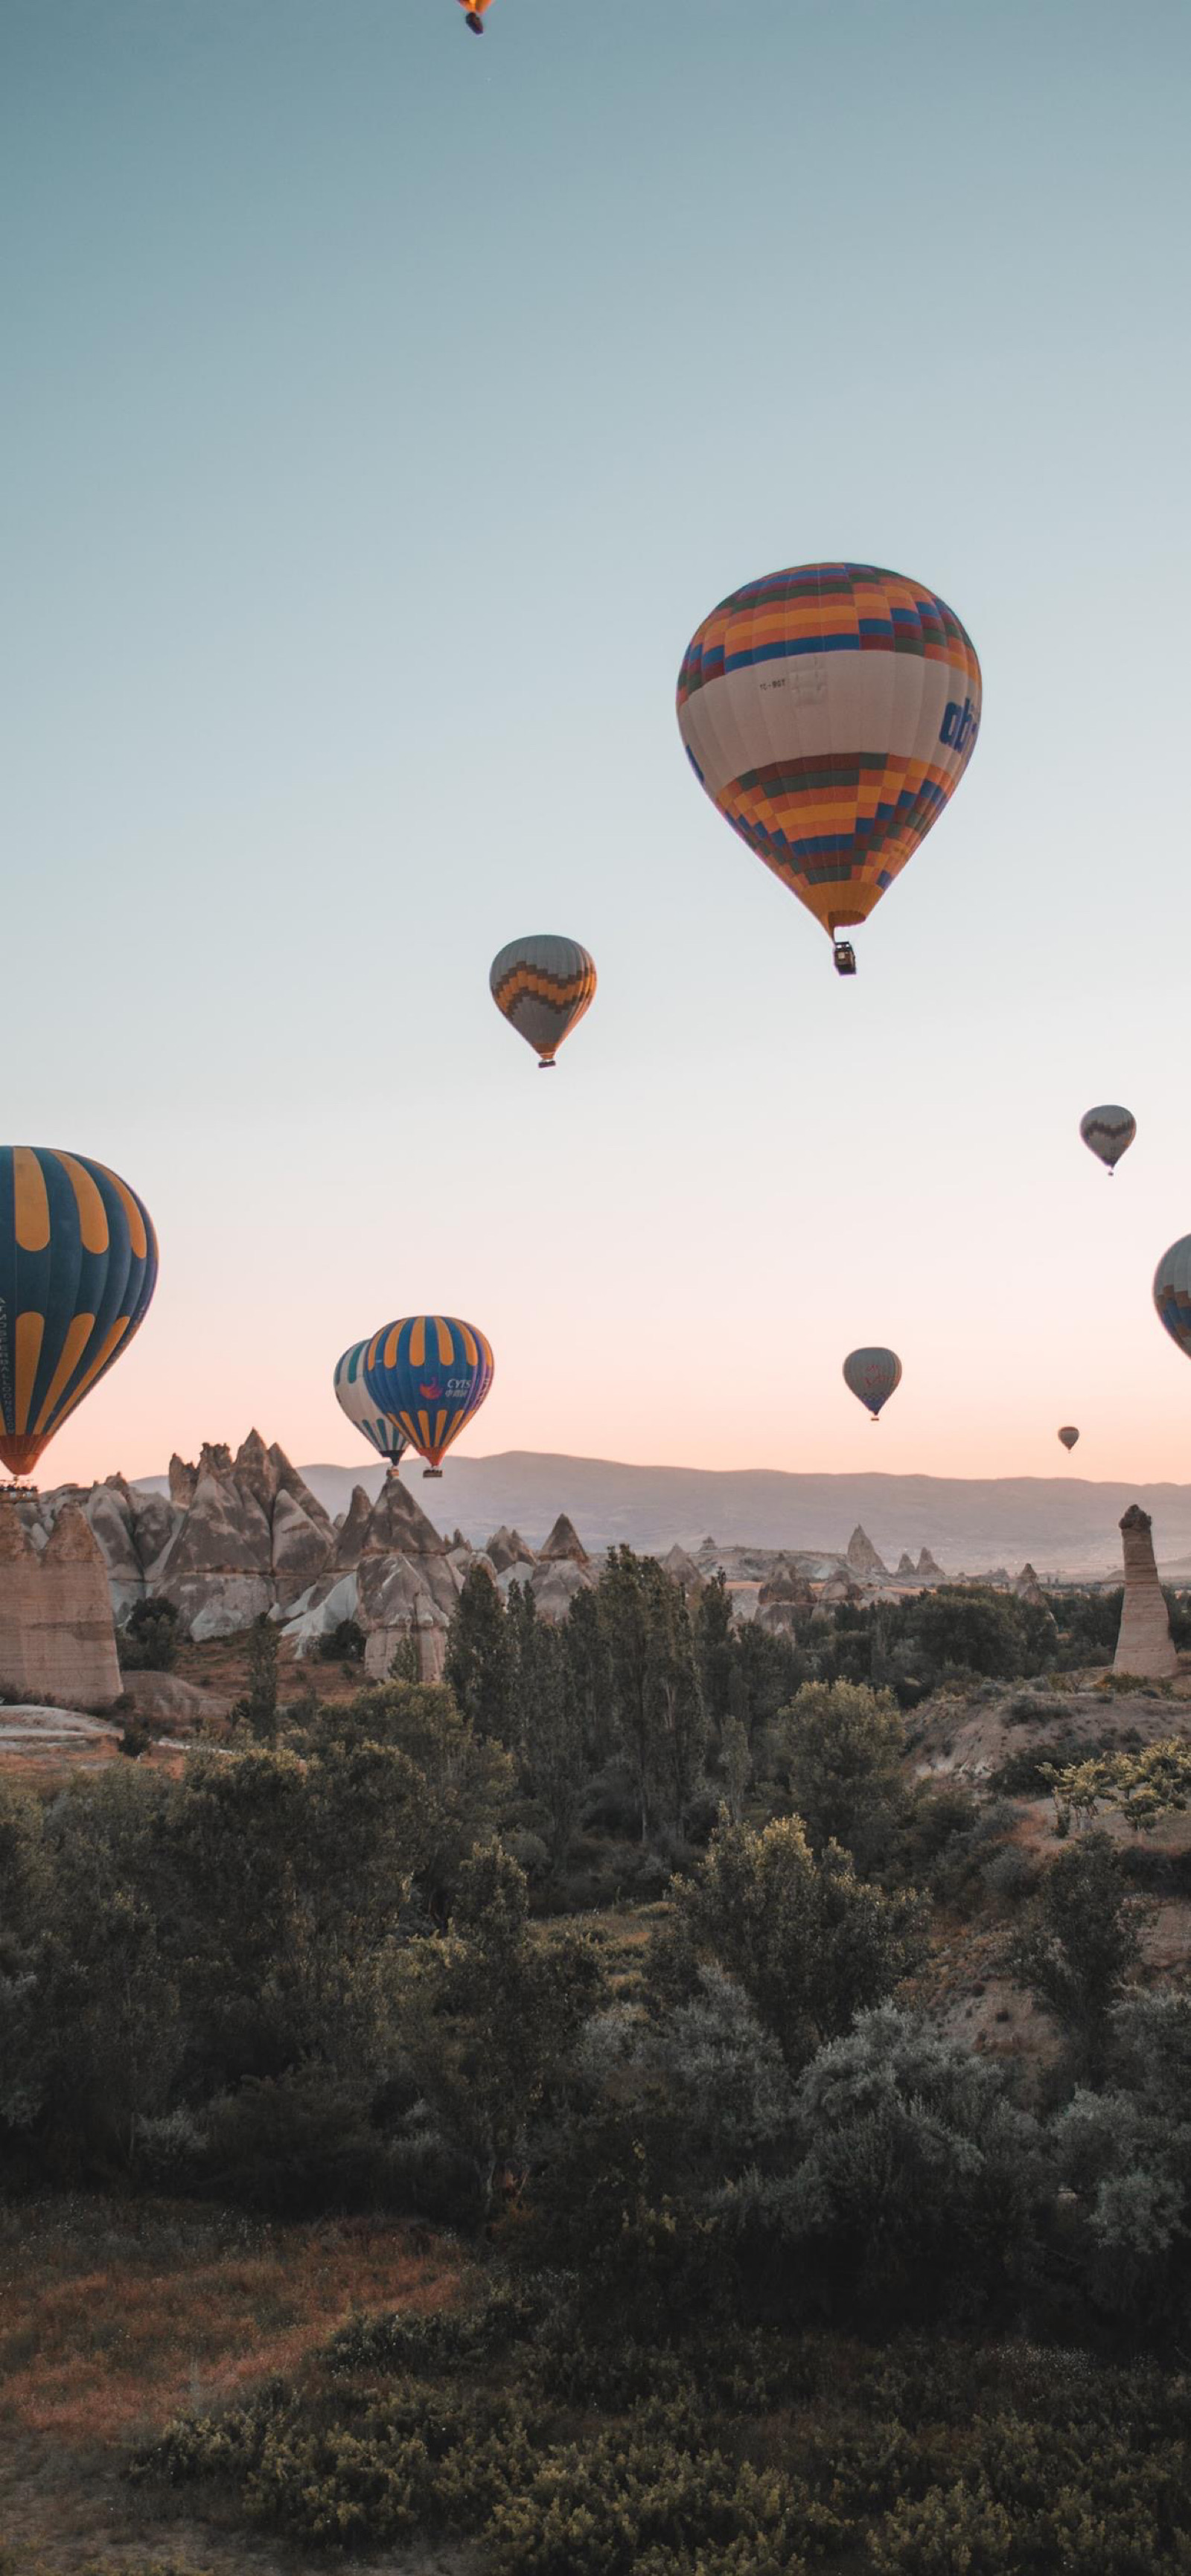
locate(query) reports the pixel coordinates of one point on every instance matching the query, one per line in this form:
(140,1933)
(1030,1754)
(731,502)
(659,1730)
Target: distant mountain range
(1062,1524)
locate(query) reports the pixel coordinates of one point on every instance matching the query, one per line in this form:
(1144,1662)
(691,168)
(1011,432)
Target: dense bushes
(754,2457)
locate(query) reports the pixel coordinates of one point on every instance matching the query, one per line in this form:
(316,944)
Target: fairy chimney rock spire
(1144,1646)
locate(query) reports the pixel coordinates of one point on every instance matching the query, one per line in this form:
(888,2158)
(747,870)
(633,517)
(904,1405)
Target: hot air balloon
(431,1373)
(1108,1133)
(872,1375)
(1172,1292)
(1068,1435)
(78,1266)
(385,1434)
(543,986)
(829,712)
(475,14)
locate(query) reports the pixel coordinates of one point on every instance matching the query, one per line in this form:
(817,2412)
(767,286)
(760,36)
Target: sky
(383,411)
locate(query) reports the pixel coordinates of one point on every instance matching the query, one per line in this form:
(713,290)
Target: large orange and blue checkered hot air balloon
(431,1373)
(829,712)
(78,1266)
(542,986)
(386,1435)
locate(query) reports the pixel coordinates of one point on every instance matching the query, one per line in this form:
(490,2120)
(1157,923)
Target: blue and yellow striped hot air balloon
(78,1266)
(431,1373)
(386,1435)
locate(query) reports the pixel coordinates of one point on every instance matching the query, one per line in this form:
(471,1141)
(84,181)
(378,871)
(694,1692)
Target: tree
(713,1627)
(491,2014)
(810,1943)
(966,1628)
(1142,1787)
(149,1642)
(660,1719)
(551,1738)
(840,1748)
(584,1634)
(1080,1941)
(256,1712)
(480,1662)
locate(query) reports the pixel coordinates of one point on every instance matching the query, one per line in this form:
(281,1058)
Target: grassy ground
(114,2316)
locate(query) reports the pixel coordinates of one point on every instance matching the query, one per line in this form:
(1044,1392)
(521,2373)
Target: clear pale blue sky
(383,409)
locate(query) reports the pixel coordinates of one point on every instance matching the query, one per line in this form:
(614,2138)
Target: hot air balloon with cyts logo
(78,1267)
(830,712)
(385,1434)
(543,985)
(431,1373)
(1108,1132)
(872,1375)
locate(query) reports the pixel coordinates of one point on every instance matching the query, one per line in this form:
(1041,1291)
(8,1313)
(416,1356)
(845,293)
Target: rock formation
(57,1633)
(905,1568)
(682,1569)
(862,1557)
(1144,1646)
(926,1569)
(564,1545)
(251,1537)
(506,1547)
(782,1602)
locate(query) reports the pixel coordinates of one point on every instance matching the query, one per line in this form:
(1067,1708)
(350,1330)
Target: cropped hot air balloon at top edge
(78,1266)
(1068,1435)
(872,1375)
(1108,1132)
(475,14)
(385,1434)
(830,711)
(543,986)
(431,1373)
(1172,1292)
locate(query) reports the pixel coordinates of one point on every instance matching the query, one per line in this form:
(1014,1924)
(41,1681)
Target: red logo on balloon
(431,1393)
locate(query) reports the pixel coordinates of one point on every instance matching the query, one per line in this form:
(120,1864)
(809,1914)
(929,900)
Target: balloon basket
(432,1471)
(546,1064)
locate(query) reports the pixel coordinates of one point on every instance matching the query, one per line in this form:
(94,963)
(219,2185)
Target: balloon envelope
(543,986)
(1172,1292)
(430,1372)
(78,1267)
(1108,1132)
(386,1435)
(872,1376)
(829,712)
(1068,1435)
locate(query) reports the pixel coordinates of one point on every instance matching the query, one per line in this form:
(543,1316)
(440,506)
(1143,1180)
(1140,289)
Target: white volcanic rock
(682,1569)
(290,1482)
(219,1605)
(564,1545)
(1144,1643)
(905,1568)
(506,1548)
(927,1570)
(109,1518)
(301,1547)
(183,1479)
(225,1531)
(320,1610)
(154,1521)
(554,1586)
(353,1529)
(862,1557)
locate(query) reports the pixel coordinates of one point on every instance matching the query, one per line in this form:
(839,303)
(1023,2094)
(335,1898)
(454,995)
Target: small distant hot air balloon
(475,14)
(1108,1133)
(1068,1435)
(386,1435)
(543,986)
(1172,1292)
(78,1267)
(431,1373)
(872,1375)
(829,712)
